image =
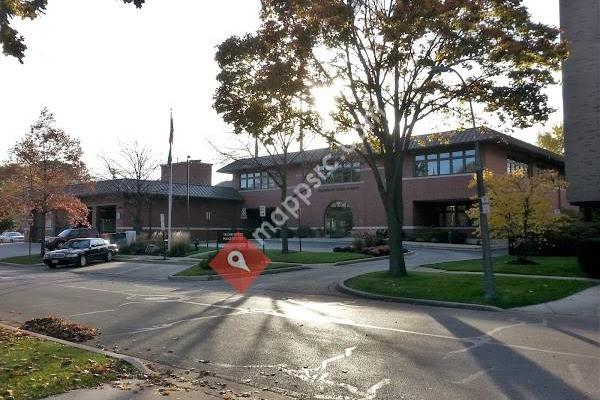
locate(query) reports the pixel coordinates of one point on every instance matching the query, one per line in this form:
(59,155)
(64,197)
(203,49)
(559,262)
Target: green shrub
(587,257)
(304,231)
(562,240)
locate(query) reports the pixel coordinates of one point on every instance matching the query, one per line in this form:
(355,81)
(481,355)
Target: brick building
(580,24)
(113,208)
(436,178)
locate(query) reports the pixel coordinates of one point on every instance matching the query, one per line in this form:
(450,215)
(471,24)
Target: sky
(111,73)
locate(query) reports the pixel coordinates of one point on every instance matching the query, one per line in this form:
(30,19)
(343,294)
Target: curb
(9,264)
(341,286)
(368,259)
(160,262)
(217,277)
(137,363)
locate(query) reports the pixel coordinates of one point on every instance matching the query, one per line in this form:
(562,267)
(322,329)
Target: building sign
(485,205)
(162,222)
(263,211)
(244,214)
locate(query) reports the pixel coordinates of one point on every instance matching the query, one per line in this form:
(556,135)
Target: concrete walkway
(585,303)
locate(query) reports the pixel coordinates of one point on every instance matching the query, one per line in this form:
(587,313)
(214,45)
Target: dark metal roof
(160,188)
(418,142)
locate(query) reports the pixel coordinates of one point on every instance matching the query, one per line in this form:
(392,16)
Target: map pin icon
(235,259)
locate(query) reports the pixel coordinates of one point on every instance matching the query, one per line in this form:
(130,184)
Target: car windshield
(64,233)
(77,244)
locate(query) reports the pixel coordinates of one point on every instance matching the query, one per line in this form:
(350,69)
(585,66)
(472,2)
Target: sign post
(207,221)
(30,224)
(162,230)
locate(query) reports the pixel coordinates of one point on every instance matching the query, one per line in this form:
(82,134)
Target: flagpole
(169,243)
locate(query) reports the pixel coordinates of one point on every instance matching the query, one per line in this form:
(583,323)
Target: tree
(45,162)
(261,94)
(13,44)
(553,140)
(394,62)
(520,206)
(132,173)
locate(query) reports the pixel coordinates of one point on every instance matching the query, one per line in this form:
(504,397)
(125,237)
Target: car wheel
(82,261)
(109,256)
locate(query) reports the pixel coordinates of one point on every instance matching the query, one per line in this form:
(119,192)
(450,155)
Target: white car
(11,237)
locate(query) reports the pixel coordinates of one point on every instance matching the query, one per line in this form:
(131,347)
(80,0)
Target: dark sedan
(80,252)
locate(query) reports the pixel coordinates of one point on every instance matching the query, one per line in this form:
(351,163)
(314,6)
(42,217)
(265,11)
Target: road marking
(170,324)
(348,322)
(576,373)
(474,376)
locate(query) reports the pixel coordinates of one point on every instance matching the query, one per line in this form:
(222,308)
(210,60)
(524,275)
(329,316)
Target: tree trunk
(43,235)
(394,209)
(397,266)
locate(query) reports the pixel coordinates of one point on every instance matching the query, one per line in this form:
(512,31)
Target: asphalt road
(294,334)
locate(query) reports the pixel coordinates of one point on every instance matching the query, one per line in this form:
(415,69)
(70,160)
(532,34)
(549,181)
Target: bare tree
(131,174)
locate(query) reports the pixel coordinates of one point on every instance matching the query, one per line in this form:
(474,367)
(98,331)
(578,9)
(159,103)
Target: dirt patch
(60,329)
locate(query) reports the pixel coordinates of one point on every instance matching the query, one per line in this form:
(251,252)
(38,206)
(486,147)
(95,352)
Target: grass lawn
(551,266)
(32,368)
(511,291)
(24,260)
(201,253)
(197,269)
(312,257)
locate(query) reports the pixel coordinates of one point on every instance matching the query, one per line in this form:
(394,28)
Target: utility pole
(482,199)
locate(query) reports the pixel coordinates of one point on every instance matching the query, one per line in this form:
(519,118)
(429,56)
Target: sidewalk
(583,304)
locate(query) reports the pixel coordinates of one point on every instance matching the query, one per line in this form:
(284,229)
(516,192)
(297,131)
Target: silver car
(11,237)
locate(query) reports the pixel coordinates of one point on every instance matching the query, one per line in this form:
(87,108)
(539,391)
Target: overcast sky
(111,72)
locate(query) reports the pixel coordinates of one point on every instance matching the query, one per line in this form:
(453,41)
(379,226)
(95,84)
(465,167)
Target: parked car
(52,243)
(11,237)
(80,252)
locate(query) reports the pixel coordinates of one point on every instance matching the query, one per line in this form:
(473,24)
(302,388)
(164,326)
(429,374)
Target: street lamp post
(188,195)
(488,267)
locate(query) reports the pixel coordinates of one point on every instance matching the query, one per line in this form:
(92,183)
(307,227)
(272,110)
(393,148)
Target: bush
(459,237)
(181,244)
(587,257)
(304,231)
(343,249)
(562,240)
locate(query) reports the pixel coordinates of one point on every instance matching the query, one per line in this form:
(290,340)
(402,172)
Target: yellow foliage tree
(520,205)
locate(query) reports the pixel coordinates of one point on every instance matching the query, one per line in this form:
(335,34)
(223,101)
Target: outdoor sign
(225,236)
(162,222)
(263,211)
(485,205)
(239,262)
(244,214)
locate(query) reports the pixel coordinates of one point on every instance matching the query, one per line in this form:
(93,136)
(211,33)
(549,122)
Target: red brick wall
(200,173)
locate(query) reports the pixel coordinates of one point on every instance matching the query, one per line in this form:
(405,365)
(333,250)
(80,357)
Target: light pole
(488,267)
(188,196)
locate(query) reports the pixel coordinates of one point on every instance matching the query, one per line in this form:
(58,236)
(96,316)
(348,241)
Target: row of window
(346,172)
(514,166)
(456,162)
(256,180)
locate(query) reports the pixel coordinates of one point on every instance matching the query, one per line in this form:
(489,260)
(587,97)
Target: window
(514,166)
(456,162)
(256,180)
(346,172)
(453,216)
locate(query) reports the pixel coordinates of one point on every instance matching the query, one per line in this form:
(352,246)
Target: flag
(170,140)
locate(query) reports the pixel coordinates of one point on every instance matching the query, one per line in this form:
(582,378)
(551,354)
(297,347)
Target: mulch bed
(60,329)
